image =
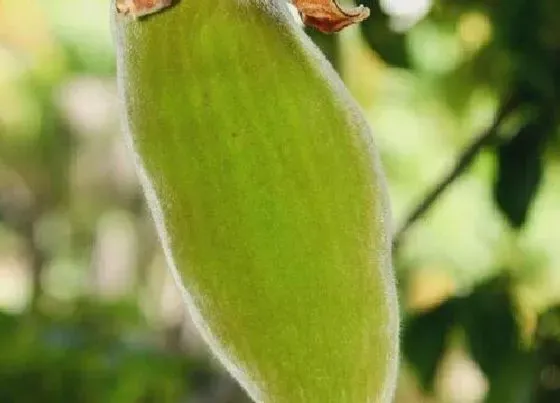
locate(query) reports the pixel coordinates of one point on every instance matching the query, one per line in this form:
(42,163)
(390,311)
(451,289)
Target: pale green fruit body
(268,198)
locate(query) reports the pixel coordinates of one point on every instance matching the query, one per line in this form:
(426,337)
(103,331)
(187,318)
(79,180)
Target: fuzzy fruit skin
(268,197)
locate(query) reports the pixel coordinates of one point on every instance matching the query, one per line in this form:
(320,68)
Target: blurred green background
(464,99)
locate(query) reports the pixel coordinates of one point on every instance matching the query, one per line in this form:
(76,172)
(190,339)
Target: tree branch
(463,163)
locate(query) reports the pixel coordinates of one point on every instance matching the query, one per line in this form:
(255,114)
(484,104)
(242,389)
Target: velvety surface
(268,197)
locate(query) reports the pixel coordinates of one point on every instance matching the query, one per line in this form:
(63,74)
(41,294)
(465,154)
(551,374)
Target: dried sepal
(328,16)
(139,8)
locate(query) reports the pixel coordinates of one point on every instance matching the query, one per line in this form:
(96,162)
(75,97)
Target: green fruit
(268,198)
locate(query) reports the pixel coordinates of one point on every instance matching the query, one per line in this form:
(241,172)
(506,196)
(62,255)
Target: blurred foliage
(89,312)
(85,357)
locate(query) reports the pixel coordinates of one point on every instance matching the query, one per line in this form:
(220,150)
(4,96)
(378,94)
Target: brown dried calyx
(324,15)
(139,8)
(328,16)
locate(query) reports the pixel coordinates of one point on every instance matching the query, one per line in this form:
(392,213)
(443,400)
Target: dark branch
(463,163)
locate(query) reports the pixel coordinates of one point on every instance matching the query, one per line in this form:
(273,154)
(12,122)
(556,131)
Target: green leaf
(489,320)
(425,340)
(519,174)
(266,190)
(494,340)
(515,381)
(548,342)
